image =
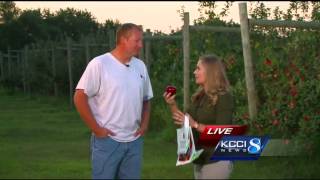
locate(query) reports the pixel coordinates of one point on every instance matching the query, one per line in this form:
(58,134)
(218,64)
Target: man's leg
(106,155)
(130,166)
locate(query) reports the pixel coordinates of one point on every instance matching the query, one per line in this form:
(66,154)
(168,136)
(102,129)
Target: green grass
(40,137)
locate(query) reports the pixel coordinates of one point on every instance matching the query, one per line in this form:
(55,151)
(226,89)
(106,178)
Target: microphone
(128,65)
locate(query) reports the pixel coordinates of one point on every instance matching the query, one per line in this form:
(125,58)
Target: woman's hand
(178,118)
(169,99)
(193,123)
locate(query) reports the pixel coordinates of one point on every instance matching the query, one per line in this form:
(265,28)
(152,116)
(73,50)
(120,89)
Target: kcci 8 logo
(229,142)
(239,147)
(255,146)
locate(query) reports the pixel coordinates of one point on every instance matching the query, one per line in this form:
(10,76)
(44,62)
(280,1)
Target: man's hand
(141,131)
(81,103)
(144,119)
(103,132)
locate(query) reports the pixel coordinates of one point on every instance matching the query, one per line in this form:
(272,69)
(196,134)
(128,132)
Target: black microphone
(128,65)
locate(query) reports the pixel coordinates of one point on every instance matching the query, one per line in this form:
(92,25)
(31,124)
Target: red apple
(293,91)
(171,89)
(274,112)
(275,122)
(306,118)
(267,62)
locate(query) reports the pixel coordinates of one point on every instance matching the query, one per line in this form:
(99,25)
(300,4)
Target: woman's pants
(217,170)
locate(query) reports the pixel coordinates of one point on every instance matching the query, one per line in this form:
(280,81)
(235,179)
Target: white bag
(186,148)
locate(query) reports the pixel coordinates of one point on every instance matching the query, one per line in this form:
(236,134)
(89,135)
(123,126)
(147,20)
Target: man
(113,98)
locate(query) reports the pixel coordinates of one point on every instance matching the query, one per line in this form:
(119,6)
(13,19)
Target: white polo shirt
(116,94)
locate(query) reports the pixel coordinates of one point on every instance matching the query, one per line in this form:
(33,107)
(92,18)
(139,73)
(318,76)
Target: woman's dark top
(203,112)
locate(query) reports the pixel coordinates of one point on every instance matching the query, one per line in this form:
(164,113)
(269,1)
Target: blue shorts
(111,159)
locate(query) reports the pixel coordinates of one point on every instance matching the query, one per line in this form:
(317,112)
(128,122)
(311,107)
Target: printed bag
(186,148)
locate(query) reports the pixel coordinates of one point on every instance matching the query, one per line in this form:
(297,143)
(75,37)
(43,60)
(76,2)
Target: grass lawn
(41,137)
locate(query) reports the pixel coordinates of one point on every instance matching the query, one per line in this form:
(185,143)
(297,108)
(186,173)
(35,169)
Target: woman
(211,104)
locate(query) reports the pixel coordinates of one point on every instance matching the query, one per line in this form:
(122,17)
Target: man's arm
(145,116)
(81,102)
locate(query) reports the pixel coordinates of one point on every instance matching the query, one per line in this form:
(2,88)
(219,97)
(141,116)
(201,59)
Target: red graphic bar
(213,133)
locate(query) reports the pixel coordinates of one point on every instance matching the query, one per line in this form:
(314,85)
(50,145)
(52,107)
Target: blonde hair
(217,82)
(124,30)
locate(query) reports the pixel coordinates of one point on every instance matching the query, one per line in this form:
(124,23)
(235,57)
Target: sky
(154,15)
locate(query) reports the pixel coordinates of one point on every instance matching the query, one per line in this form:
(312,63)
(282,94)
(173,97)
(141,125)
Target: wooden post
(112,42)
(1,66)
(249,74)
(69,60)
(17,68)
(141,53)
(161,37)
(9,62)
(28,87)
(54,74)
(46,57)
(285,23)
(25,69)
(87,50)
(186,61)
(215,28)
(31,63)
(148,50)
